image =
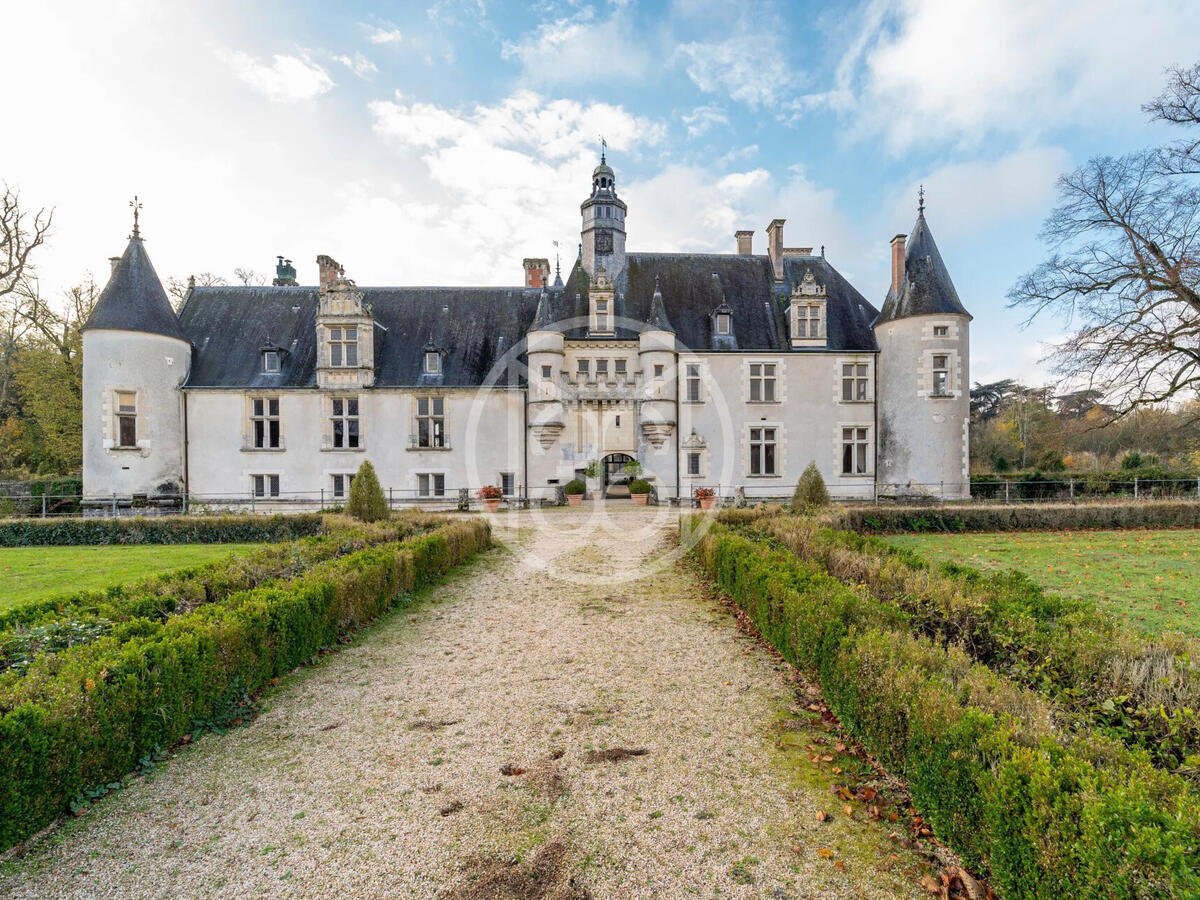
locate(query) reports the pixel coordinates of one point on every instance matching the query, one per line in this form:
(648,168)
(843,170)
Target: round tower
(135,357)
(603,228)
(544,351)
(656,358)
(923,397)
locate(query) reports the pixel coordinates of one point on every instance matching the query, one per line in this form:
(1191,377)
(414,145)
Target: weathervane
(921,200)
(136,206)
(557,272)
(603,148)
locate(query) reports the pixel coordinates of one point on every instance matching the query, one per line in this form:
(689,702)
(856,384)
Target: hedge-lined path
(378,772)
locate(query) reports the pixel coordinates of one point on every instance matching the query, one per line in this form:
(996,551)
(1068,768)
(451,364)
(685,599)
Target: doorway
(616,482)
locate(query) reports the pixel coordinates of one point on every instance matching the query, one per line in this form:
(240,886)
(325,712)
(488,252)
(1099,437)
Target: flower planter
(597,495)
(492,505)
(640,499)
(707,502)
(575,499)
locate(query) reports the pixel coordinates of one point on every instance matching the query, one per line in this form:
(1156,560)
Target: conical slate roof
(658,312)
(927,289)
(134,299)
(543,318)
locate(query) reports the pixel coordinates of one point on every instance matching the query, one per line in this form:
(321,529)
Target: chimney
(898,262)
(285,273)
(328,272)
(113,262)
(775,246)
(537,272)
(745,242)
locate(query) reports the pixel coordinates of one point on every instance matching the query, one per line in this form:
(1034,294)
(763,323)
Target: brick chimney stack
(898,243)
(775,246)
(537,272)
(328,272)
(745,242)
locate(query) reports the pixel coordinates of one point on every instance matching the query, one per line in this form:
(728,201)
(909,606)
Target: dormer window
(433,362)
(343,346)
(808,320)
(602,316)
(807,312)
(724,323)
(270,361)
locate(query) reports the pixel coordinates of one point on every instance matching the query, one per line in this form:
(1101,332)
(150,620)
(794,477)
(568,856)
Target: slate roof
(927,289)
(134,299)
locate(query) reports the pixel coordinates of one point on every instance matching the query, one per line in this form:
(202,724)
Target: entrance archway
(616,482)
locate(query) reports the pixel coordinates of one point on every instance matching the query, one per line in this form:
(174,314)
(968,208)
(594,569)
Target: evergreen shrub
(367,502)
(810,493)
(158,530)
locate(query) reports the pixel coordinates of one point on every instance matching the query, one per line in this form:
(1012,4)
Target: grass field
(27,573)
(1149,578)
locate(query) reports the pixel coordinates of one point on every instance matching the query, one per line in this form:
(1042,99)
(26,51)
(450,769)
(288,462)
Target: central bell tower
(603,229)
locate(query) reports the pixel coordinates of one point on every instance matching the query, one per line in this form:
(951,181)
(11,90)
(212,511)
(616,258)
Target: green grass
(28,573)
(1149,578)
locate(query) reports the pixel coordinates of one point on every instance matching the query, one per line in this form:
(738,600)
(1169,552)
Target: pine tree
(810,491)
(367,502)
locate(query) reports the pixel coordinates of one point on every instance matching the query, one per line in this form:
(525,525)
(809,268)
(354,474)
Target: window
(619,366)
(433,362)
(126,419)
(854,451)
(506,483)
(854,382)
(602,315)
(343,346)
(265,485)
(693,463)
(618,419)
(270,360)
(431,421)
(941,376)
(584,367)
(693,383)
(341,486)
(431,484)
(601,368)
(762,451)
(762,382)
(264,419)
(724,323)
(345,423)
(808,320)
(546,373)
(941,330)
(658,371)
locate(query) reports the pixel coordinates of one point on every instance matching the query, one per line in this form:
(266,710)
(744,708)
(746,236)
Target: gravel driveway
(643,737)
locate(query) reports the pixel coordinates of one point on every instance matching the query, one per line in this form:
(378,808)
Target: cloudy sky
(441,142)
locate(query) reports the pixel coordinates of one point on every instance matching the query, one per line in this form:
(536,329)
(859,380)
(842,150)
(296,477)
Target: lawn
(27,573)
(1149,578)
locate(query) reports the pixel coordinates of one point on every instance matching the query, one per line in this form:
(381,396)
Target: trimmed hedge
(1031,517)
(158,530)
(1043,814)
(87,715)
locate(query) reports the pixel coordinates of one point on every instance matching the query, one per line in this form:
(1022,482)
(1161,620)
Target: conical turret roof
(658,312)
(134,299)
(927,289)
(543,318)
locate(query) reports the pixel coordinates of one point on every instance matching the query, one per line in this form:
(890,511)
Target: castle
(730,371)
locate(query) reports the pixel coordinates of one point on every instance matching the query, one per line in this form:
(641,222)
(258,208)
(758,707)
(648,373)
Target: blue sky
(441,143)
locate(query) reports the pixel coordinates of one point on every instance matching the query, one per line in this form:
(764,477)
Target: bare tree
(177,288)
(249,277)
(1125,270)
(21,232)
(1179,104)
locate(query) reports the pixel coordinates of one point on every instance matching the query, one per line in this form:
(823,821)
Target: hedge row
(1042,517)
(1042,814)
(1141,690)
(1152,481)
(86,716)
(157,530)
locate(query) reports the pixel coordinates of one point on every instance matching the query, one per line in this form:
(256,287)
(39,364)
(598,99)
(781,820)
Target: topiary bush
(811,492)
(639,486)
(367,503)
(574,487)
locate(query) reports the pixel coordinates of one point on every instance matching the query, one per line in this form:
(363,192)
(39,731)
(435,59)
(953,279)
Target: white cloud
(387,34)
(703,118)
(358,64)
(580,48)
(748,67)
(286,79)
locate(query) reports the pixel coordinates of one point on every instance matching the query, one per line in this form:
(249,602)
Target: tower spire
(136,204)
(921,200)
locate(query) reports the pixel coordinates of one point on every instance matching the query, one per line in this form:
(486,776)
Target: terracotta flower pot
(640,499)
(707,502)
(597,495)
(491,503)
(575,499)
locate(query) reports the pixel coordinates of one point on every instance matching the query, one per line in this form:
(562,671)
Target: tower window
(431,422)
(763,460)
(854,382)
(855,454)
(126,419)
(658,371)
(546,373)
(343,347)
(941,376)
(941,330)
(433,362)
(344,420)
(264,421)
(762,382)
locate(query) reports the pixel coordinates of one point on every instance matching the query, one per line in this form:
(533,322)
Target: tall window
(693,383)
(601,369)
(808,320)
(583,367)
(854,451)
(433,362)
(341,485)
(763,459)
(264,419)
(854,382)
(343,346)
(762,382)
(693,463)
(724,323)
(431,421)
(265,485)
(506,483)
(602,315)
(126,419)
(345,423)
(431,484)
(941,375)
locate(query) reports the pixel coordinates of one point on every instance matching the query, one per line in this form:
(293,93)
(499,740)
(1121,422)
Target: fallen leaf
(838,864)
(822,816)
(825,853)
(931,884)
(848,809)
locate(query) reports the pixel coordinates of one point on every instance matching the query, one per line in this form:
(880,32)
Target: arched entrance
(616,482)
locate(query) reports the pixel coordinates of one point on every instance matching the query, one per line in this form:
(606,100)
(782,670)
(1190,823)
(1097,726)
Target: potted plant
(706,496)
(633,468)
(574,489)
(639,491)
(490,494)
(592,471)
